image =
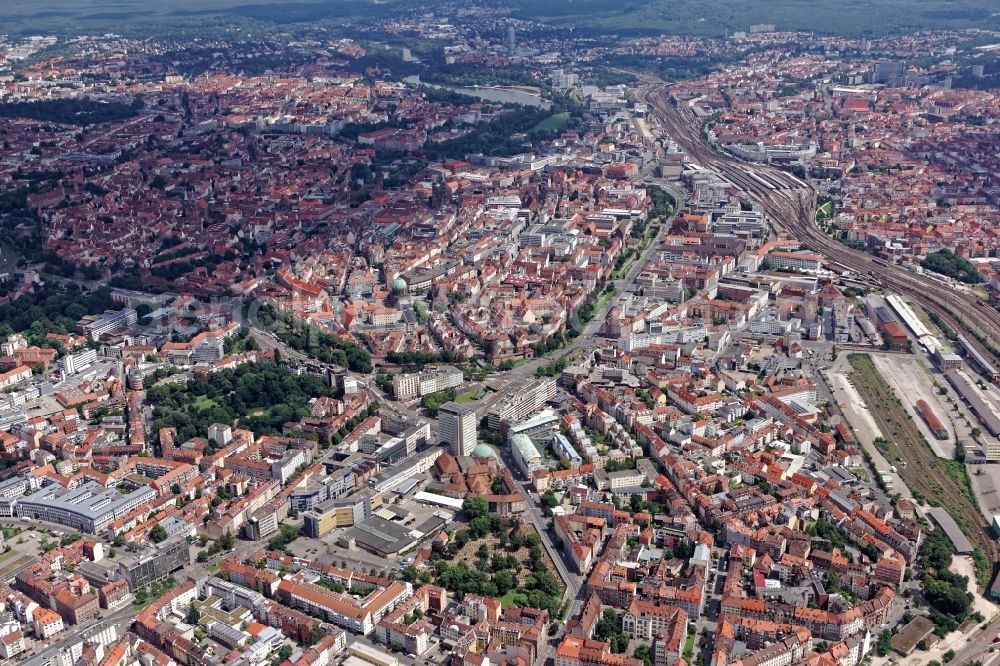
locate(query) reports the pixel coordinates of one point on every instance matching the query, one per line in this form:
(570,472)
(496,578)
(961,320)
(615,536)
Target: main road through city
(512,380)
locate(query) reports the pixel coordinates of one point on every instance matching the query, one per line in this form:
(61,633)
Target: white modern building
(526,455)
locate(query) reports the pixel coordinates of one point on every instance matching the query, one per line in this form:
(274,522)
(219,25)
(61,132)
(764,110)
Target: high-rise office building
(511,39)
(458,427)
(889,72)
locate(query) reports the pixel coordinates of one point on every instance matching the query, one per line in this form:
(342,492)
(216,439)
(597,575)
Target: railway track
(791,204)
(924,472)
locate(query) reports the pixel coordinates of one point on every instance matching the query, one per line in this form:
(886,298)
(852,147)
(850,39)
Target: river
(498,94)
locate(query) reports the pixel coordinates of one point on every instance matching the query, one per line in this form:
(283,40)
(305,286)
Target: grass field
(602,301)
(553,123)
(825,211)
(943,483)
(467,396)
(204,402)
(507,600)
(689,647)
(648,236)
(12,563)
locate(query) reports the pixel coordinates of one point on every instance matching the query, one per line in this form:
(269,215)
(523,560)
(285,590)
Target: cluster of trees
(497,575)
(20,226)
(388,59)
(549,501)
(402,167)
(587,310)
(276,394)
(511,133)
(541,588)
(286,535)
(884,644)
(129,279)
(476,507)
(623,258)
(56,265)
(643,652)
(646,397)
(840,538)
(432,401)
(607,76)
(147,594)
(554,368)
(384,381)
(177,269)
(169,243)
(671,68)
(52,307)
(638,505)
(555,341)
(946,330)
(333,585)
(239,343)
(323,346)
(945,591)
(609,630)
(351,131)
(221,545)
(82,111)
(157,534)
(420,359)
(619,464)
(948,263)
(474,74)
(446,96)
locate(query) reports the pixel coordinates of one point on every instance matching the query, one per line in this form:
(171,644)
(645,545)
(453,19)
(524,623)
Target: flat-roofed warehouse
(951,529)
(384,538)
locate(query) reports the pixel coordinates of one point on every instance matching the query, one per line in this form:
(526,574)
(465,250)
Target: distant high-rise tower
(511,39)
(978,71)
(458,427)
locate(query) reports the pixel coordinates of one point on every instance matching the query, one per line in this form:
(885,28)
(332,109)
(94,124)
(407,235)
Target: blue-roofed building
(564,449)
